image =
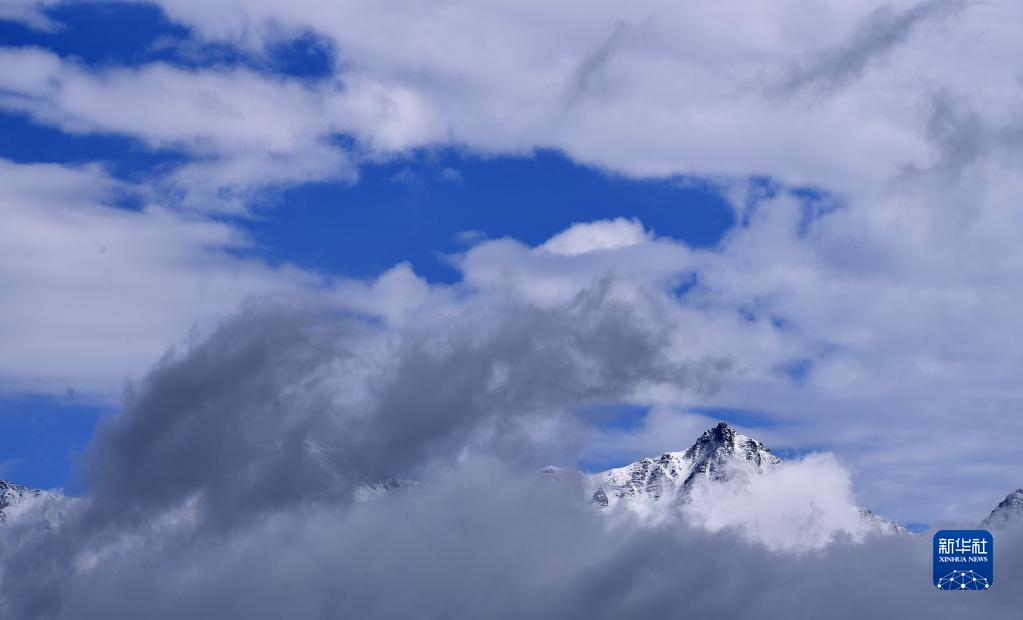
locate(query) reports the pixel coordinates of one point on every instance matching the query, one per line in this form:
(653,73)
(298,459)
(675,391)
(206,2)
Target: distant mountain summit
(1007,513)
(718,454)
(33,508)
(649,487)
(721,455)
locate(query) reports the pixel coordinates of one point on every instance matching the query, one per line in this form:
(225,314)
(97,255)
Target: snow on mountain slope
(729,480)
(32,508)
(1007,513)
(719,454)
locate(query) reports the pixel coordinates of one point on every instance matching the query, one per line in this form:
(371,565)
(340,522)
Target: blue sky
(821,202)
(411,208)
(349,229)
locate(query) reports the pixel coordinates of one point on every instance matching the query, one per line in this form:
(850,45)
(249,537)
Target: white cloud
(652,89)
(31,13)
(244,131)
(574,260)
(397,295)
(798,507)
(596,236)
(94,294)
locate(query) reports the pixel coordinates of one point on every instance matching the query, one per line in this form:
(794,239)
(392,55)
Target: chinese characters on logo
(962,546)
(963,560)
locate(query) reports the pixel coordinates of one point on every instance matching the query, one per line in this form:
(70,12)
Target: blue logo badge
(964,560)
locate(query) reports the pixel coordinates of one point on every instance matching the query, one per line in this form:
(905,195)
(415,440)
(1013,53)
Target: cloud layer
(831,96)
(227,487)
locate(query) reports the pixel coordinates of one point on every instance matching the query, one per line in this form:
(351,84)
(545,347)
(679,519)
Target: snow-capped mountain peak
(721,447)
(1008,512)
(717,454)
(725,478)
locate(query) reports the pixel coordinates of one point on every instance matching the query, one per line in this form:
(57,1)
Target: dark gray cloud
(286,407)
(292,399)
(228,488)
(877,35)
(486,541)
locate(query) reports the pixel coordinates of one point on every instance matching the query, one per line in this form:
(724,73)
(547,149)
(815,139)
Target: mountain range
(647,487)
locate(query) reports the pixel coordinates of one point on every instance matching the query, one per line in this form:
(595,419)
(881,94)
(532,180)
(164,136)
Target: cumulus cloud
(94,293)
(244,131)
(227,487)
(595,236)
(800,506)
(576,258)
(657,89)
(287,409)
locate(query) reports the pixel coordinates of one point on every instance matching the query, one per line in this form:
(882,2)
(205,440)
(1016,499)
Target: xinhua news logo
(964,560)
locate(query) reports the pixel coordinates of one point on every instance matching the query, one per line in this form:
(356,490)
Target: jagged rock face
(719,449)
(34,508)
(1008,512)
(718,454)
